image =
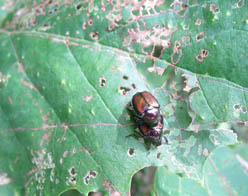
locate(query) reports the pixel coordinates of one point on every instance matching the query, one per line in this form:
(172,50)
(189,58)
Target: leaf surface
(68,70)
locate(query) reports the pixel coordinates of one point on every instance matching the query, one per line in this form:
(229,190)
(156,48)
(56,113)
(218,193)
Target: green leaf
(168,183)
(225,102)
(226,173)
(68,70)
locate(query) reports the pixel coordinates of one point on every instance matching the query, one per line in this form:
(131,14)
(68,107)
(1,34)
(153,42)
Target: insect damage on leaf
(200,36)
(88,98)
(131,152)
(94,36)
(124,90)
(43,162)
(102,82)
(5,179)
(71,179)
(201,57)
(3,80)
(89,175)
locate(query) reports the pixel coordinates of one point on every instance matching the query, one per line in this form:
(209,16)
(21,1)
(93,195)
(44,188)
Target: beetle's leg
(137,119)
(165,140)
(132,113)
(130,107)
(135,134)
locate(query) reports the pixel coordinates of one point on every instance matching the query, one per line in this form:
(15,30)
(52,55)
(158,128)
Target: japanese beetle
(146,108)
(152,134)
(145,111)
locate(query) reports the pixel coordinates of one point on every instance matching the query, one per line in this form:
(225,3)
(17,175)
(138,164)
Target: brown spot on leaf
(10,100)
(156,69)
(116,193)
(46,137)
(198,22)
(180,7)
(108,186)
(88,98)
(44,118)
(186,40)
(205,152)
(30,85)
(17,159)
(90,20)
(154,39)
(177,53)
(201,57)
(20,67)
(213,8)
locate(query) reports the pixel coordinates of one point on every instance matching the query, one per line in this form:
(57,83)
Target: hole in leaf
(94,35)
(72,171)
(134,86)
(213,8)
(102,82)
(199,58)
(71,192)
(185,6)
(159,155)
(198,22)
(86,180)
(200,36)
(84,26)
(95,194)
(204,53)
(185,27)
(73,180)
(135,12)
(241,3)
(143,178)
(131,152)
(93,174)
(124,90)
(79,6)
(90,22)
(110,27)
(243,109)
(125,77)
(157,51)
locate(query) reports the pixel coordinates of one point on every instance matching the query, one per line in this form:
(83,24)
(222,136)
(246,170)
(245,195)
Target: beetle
(145,108)
(152,134)
(145,111)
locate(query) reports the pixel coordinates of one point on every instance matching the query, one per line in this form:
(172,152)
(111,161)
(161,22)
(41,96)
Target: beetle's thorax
(151,114)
